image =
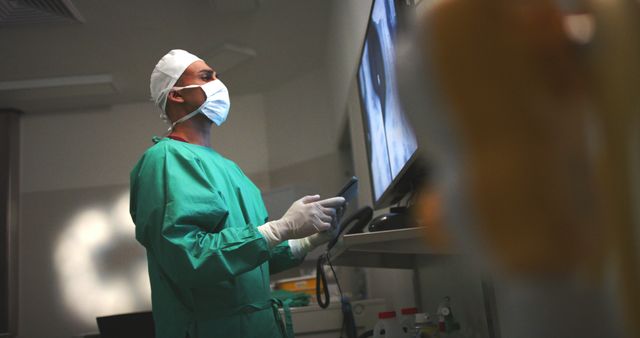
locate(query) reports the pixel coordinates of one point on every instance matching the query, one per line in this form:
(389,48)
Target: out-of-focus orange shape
(522,90)
(428,213)
(511,78)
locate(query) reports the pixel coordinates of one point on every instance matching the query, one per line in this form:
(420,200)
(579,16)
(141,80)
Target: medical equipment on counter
(446,321)
(397,218)
(424,327)
(315,322)
(407,320)
(387,326)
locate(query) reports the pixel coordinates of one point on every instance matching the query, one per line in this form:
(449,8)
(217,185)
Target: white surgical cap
(166,74)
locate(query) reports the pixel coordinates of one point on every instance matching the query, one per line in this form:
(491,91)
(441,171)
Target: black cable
(321,283)
(334,273)
(356,221)
(348,320)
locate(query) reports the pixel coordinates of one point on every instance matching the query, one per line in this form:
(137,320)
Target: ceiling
(119,42)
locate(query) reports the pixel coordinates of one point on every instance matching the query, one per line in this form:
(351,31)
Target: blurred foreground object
(529,110)
(429,215)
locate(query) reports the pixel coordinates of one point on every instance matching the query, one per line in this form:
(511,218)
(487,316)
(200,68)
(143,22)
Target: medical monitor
(390,140)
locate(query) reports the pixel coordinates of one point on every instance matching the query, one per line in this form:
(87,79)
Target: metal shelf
(383,249)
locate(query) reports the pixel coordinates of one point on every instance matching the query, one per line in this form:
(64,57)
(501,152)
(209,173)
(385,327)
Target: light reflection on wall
(101,268)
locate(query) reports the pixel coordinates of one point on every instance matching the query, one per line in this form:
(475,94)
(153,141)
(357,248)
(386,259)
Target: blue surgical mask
(216,104)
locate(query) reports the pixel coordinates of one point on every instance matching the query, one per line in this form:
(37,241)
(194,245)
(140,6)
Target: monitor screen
(391,142)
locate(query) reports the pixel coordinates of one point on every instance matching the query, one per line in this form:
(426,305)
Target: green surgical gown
(196,214)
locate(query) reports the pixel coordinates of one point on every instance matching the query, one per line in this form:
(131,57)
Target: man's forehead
(197,67)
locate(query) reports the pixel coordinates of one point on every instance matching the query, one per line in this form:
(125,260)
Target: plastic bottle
(387,326)
(407,320)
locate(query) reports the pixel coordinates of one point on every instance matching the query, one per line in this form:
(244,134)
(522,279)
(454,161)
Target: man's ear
(175,96)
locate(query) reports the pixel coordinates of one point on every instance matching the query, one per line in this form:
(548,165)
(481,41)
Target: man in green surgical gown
(210,247)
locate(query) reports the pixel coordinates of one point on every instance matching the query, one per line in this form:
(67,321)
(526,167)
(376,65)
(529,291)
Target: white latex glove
(302,246)
(306,216)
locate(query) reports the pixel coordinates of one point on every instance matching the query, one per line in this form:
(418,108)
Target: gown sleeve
(180,218)
(282,258)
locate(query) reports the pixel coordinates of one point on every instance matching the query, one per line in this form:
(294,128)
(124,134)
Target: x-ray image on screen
(390,140)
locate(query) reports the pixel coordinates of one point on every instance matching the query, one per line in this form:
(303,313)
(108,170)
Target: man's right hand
(306,216)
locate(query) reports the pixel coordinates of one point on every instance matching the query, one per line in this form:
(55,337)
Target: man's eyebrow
(206,71)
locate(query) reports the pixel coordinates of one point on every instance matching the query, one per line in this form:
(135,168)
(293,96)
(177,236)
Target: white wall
(300,122)
(348,25)
(84,149)
(243,137)
(77,260)
(100,147)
